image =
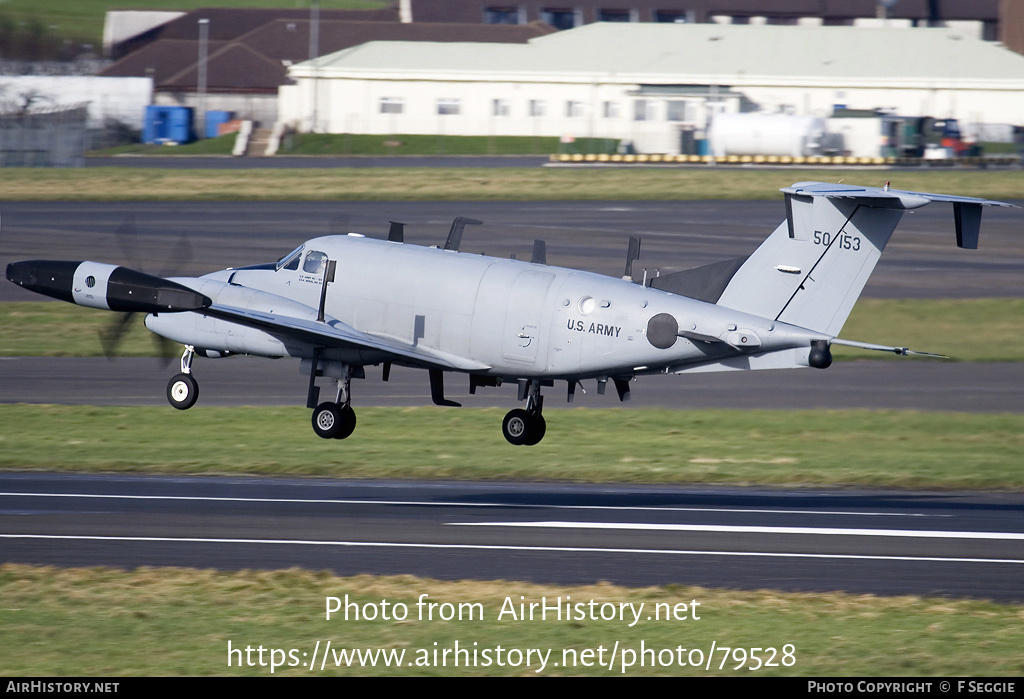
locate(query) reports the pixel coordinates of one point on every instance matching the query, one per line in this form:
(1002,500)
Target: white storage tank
(766,134)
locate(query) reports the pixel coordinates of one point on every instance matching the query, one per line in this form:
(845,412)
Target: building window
(500,108)
(643,110)
(614,16)
(676,110)
(573,109)
(392,105)
(670,16)
(610,110)
(559,18)
(448,107)
(501,15)
(537,108)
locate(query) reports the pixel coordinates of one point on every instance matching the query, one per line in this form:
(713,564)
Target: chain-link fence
(44,137)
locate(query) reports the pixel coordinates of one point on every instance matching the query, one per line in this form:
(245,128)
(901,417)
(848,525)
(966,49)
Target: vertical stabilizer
(811,270)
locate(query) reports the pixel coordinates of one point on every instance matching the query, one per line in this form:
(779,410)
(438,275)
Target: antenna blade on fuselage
(632,253)
(540,253)
(396,234)
(455,233)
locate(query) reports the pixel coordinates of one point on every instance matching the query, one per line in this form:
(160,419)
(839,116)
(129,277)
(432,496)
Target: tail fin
(812,269)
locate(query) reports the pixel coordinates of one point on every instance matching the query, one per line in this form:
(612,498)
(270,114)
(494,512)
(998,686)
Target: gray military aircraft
(340,303)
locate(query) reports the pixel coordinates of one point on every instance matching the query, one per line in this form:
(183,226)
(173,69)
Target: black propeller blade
(179,257)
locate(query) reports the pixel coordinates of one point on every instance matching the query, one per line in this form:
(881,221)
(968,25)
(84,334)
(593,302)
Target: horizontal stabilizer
(966,210)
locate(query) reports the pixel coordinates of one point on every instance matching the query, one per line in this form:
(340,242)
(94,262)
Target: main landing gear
(337,419)
(334,420)
(526,427)
(183,389)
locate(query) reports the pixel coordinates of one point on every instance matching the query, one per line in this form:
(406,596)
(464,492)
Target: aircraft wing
(331,332)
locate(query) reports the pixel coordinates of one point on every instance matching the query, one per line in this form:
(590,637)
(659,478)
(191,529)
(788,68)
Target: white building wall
(120,99)
(355,106)
(497,108)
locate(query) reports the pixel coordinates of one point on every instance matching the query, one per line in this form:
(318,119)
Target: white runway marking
(725,528)
(485,547)
(419,503)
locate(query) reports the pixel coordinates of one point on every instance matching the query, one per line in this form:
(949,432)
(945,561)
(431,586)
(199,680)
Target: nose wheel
(183,389)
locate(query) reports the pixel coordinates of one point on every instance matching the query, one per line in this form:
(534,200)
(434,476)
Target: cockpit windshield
(315,261)
(290,261)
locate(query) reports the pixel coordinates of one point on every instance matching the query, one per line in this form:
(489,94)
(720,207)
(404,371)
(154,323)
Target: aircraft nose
(19,273)
(48,277)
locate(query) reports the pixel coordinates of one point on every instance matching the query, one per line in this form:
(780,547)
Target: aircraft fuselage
(518,318)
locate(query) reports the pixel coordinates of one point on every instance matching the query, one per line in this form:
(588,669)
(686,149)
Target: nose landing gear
(183,389)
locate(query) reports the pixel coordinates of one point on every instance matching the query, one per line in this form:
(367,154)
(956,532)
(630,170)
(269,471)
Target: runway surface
(883,543)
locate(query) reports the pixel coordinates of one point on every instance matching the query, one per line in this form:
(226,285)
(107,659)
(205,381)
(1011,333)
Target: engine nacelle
(104,286)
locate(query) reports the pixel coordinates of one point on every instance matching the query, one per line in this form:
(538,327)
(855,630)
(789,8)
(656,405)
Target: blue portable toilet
(167,124)
(214,118)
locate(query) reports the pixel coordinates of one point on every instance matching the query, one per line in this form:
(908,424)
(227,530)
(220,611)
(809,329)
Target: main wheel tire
(348,422)
(517,426)
(537,429)
(182,391)
(327,420)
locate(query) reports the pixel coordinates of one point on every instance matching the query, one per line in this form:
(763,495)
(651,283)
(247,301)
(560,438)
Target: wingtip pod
(104,286)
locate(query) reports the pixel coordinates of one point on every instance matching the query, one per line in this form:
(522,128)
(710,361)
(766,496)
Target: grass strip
(105,622)
(467,184)
(970,330)
(887,449)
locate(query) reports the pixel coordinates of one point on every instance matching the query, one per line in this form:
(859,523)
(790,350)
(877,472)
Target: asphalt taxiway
(235,381)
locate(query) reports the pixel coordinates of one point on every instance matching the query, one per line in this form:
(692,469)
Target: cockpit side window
(315,261)
(291,260)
